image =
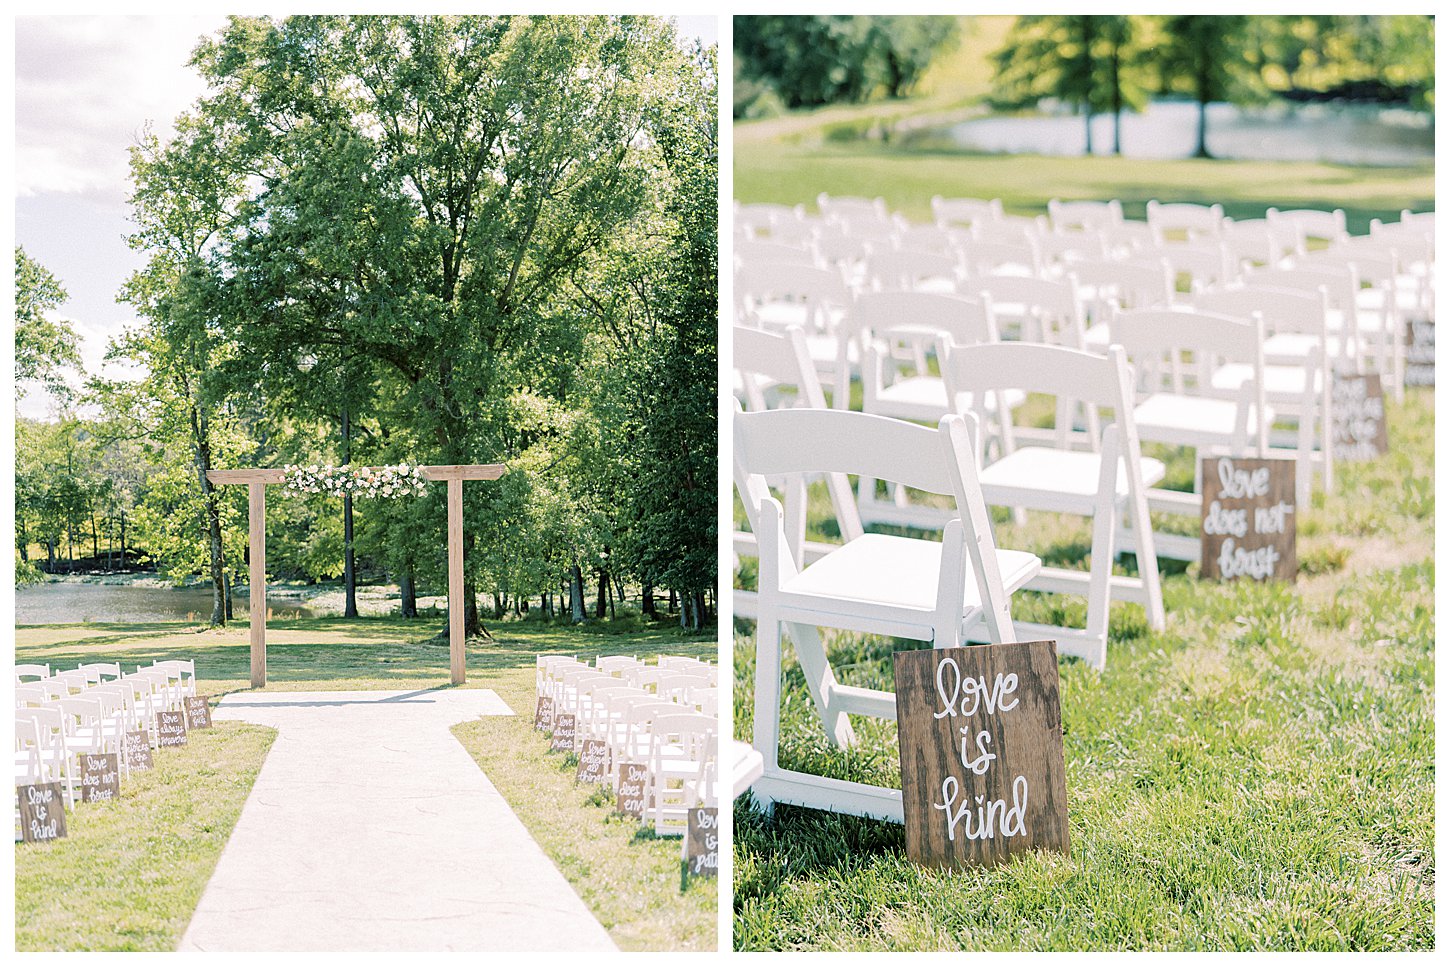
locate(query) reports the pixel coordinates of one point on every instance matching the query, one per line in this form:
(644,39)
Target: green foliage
(44,347)
(827,59)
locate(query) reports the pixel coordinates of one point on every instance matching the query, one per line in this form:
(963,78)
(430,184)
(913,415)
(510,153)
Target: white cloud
(85,86)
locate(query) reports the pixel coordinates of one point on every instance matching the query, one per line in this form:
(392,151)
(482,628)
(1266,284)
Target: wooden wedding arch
(257,480)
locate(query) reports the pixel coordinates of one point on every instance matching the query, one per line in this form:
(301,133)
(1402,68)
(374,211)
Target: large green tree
(1211,58)
(45,347)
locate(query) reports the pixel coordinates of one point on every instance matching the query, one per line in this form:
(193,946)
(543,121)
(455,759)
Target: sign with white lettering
(198,713)
(1248,519)
(980,733)
(544,715)
(100,777)
(629,796)
(42,812)
(1420,352)
(138,750)
(170,729)
(593,762)
(563,733)
(702,841)
(1358,407)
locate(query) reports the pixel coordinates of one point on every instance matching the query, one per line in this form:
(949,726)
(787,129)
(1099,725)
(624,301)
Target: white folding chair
(1106,285)
(1174,353)
(965,212)
(1106,482)
(682,747)
(903,587)
(913,270)
(1297,381)
(37,672)
(1313,225)
(1084,214)
(1184,221)
(183,673)
(777,297)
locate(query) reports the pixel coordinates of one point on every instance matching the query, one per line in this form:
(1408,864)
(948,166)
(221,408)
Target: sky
(85,87)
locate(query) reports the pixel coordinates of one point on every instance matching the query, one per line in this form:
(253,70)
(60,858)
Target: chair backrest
(983,258)
(30,695)
(1313,223)
(50,721)
(1204,263)
(1283,310)
(1188,218)
(614,664)
(1130,284)
(1129,238)
(750,252)
(1258,241)
(931,238)
(1167,345)
(101,671)
(23,672)
(922,314)
(1053,304)
(847,206)
(760,217)
(1059,249)
(75,681)
(965,211)
(766,282)
(1084,214)
(906,269)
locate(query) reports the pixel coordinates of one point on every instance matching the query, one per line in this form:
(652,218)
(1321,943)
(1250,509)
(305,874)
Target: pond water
(65,602)
(1341,134)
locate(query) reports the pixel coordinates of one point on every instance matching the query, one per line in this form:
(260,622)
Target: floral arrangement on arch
(401,480)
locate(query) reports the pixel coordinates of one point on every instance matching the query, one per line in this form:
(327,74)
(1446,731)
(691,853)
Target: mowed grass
(630,881)
(130,872)
(1259,776)
(630,878)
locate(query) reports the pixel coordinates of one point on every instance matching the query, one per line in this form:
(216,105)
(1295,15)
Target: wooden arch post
(257,480)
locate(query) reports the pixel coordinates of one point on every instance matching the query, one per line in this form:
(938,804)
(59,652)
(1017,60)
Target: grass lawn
(630,881)
(1260,775)
(130,872)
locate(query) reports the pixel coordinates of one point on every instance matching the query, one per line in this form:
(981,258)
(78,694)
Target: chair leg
(767,691)
(820,680)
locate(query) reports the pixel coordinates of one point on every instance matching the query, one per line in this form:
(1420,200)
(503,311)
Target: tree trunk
(95,540)
(201,440)
(500,606)
(50,554)
(674,601)
(1115,82)
(408,591)
(647,602)
(576,594)
(1088,126)
(123,540)
(349,561)
(603,595)
(231,583)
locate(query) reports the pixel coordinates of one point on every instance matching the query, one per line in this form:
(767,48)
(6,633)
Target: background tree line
(438,240)
(1096,64)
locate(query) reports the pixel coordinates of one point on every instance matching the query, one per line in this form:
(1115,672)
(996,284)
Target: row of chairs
(61,715)
(661,715)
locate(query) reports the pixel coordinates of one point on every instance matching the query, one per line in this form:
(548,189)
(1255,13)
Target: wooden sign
(198,713)
(702,841)
(980,732)
(100,777)
(544,715)
(563,733)
(1420,352)
(42,812)
(138,750)
(629,795)
(170,729)
(593,762)
(1359,431)
(1248,519)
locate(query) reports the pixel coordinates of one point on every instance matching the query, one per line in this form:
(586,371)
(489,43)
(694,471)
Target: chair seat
(929,395)
(897,572)
(1050,479)
(1298,345)
(823,350)
(1192,420)
(1278,380)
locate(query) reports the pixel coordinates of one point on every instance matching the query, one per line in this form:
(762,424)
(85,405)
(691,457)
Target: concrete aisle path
(370,828)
